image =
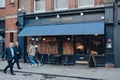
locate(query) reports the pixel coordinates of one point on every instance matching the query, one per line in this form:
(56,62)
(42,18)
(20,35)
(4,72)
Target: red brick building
(9,9)
(8,13)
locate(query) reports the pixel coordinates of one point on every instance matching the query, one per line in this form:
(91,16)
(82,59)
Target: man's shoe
(13,74)
(19,68)
(4,71)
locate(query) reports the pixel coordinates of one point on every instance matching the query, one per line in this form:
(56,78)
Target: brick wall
(10,27)
(11,9)
(50,5)
(28,5)
(73,3)
(10,15)
(2,12)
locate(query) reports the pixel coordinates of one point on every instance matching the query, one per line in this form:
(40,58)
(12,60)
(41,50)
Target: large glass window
(2,3)
(40,5)
(60,4)
(68,46)
(90,45)
(85,3)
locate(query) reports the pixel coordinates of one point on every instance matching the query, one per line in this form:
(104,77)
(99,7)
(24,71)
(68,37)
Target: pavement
(59,72)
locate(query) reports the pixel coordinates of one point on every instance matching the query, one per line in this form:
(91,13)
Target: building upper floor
(8,7)
(39,6)
(11,7)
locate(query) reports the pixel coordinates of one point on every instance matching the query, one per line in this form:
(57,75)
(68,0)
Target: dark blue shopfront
(67,43)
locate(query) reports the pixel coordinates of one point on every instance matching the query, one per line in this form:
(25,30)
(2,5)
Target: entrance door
(86,45)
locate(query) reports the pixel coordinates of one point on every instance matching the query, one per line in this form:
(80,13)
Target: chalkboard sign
(92,61)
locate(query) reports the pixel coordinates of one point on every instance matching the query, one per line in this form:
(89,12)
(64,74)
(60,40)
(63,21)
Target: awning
(86,28)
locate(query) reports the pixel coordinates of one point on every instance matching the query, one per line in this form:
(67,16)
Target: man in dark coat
(17,48)
(10,56)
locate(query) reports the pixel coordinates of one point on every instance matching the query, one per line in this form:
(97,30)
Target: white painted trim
(9,31)
(11,16)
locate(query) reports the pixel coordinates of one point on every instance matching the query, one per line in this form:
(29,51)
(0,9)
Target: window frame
(2,5)
(86,6)
(55,1)
(36,11)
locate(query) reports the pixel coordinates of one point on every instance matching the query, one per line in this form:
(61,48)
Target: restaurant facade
(71,36)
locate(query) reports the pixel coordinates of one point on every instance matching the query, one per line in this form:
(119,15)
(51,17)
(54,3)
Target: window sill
(60,9)
(2,7)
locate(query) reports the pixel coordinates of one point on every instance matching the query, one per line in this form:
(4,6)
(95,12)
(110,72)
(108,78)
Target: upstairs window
(85,3)
(40,6)
(2,3)
(60,4)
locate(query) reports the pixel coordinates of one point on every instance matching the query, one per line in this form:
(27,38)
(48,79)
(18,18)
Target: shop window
(85,3)
(60,4)
(46,45)
(40,5)
(81,45)
(11,37)
(68,46)
(90,45)
(2,3)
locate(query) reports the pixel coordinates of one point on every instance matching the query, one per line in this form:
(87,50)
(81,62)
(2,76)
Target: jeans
(37,61)
(31,58)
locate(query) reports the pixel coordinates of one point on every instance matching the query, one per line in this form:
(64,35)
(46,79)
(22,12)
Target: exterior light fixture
(68,38)
(102,17)
(43,39)
(81,13)
(58,16)
(36,18)
(32,39)
(96,34)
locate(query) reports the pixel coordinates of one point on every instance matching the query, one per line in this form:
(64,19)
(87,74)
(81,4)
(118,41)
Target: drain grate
(27,74)
(48,76)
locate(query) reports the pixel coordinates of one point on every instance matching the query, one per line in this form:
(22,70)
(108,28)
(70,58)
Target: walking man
(10,56)
(18,53)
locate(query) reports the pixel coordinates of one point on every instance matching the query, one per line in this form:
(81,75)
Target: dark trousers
(17,62)
(10,64)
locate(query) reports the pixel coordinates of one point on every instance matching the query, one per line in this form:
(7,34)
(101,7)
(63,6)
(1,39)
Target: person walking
(10,56)
(37,55)
(18,53)
(31,54)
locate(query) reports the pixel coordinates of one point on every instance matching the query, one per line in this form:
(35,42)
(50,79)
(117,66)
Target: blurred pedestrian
(18,53)
(37,56)
(10,56)
(31,54)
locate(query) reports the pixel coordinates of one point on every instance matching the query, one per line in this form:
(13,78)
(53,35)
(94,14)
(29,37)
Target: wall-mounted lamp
(33,39)
(102,17)
(68,38)
(43,39)
(58,16)
(81,13)
(36,18)
(96,34)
